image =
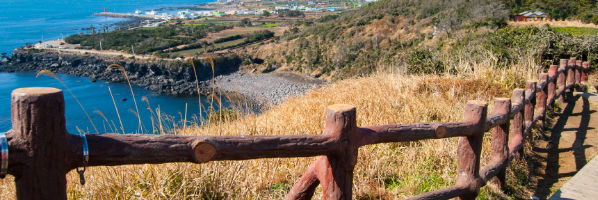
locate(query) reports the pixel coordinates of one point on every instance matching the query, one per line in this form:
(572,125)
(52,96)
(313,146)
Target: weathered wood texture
(470,148)
(516,129)
(541,98)
(500,136)
(562,80)
(42,152)
(38,143)
(578,65)
(571,72)
(584,71)
(530,102)
(551,87)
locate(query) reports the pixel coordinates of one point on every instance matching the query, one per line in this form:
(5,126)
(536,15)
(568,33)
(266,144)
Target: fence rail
(42,151)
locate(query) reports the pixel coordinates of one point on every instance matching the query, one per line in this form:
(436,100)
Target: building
(184,14)
(532,16)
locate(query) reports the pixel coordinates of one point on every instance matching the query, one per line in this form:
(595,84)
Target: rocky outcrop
(164,77)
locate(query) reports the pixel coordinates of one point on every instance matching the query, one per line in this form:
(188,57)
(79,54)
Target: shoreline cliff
(175,78)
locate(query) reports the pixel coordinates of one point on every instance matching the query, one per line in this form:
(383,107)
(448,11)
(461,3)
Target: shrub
(229,38)
(423,62)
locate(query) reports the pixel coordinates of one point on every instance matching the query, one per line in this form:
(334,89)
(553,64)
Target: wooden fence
(42,152)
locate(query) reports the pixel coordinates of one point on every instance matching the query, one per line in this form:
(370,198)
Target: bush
(229,38)
(245,22)
(423,62)
(290,13)
(258,35)
(327,18)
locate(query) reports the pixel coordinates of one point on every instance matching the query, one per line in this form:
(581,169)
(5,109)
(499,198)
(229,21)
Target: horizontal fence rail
(42,152)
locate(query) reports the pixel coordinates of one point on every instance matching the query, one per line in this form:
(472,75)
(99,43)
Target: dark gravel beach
(271,88)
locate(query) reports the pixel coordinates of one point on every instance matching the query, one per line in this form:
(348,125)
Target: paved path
(584,185)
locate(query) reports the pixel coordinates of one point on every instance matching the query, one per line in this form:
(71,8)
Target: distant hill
(428,36)
(381,33)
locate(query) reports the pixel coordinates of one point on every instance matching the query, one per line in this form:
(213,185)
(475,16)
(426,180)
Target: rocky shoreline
(169,77)
(163,77)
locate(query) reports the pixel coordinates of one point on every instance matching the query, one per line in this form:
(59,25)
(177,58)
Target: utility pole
(93,29)
(101,46)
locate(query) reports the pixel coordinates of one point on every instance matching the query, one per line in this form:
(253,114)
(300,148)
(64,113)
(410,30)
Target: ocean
(28,21)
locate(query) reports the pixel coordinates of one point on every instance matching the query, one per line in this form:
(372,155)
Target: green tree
(266,14)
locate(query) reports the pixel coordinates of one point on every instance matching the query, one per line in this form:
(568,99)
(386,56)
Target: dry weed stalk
(51,74)
(122,69)
(198,92)
(122,128)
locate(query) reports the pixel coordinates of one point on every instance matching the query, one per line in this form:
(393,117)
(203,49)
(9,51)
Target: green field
(210,20)
(584,31)
(194,24)
(148,28)
(267,25)
(218,22)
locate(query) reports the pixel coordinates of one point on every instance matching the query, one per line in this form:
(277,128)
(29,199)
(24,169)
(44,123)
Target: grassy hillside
(418,37)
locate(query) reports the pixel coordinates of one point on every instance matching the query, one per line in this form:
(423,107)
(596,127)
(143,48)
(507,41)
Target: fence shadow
(551,172)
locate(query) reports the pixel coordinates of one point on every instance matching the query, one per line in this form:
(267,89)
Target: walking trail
(570,144)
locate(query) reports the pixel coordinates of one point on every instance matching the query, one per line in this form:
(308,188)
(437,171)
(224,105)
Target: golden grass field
(386,171)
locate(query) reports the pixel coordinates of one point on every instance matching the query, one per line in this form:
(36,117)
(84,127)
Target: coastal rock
(170,77)
(165,77)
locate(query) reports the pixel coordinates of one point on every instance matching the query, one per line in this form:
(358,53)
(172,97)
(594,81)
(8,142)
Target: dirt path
(571,142)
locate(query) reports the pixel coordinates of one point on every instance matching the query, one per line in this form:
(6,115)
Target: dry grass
(388,171)
(554,23)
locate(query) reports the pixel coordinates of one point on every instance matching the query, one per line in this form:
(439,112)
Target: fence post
(500,135)
(578,71)
(541,99)
(528,115)
(470,148)
(561,79)
(551,86)
(39,133)
(584,71)
(341,125)
(516,129)
(571,76)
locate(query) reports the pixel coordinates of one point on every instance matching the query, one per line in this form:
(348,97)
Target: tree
(290,13)
(266,13)
(245,22)
(93,29)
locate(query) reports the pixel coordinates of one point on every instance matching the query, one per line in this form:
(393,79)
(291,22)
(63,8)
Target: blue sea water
(27,21)
(23,21)
(95,96)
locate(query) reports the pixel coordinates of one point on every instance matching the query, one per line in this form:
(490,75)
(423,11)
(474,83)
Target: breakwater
(126,15)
